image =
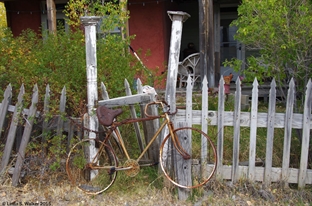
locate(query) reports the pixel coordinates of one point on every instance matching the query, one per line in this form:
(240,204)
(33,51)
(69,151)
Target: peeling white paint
(92,94)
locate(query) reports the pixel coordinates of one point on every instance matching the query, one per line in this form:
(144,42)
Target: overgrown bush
(60,61)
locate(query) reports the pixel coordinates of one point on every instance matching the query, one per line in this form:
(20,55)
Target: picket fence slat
(46,110)
(204,124)
(104,93)
(305,136)
(25,138)
(289,116)
(189,101)
(105,97)
(145,131)
(60,122)
(270,135)
(4,105)
(134,115)
(253,130)
(182,165)
(236,137)
(11,135)
(220,128)
(148,126)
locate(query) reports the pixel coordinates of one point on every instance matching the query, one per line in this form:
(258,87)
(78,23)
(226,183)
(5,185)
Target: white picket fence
(254,119)
(206,118)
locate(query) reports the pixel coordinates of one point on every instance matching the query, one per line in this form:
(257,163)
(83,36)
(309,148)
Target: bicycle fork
(176,142)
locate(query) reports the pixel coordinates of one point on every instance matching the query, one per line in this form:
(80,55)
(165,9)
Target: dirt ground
(56,190)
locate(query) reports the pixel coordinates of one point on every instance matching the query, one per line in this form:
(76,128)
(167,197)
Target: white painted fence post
(177,18)
(90,23)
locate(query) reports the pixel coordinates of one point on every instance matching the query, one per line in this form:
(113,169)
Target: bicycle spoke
(92,177)
(195,171)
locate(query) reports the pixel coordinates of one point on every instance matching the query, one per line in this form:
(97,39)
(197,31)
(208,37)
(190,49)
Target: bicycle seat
(106,115)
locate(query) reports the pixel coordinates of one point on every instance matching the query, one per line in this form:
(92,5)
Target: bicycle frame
(114,129)
(104,162)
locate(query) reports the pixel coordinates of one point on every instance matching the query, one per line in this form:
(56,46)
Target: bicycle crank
(133,166)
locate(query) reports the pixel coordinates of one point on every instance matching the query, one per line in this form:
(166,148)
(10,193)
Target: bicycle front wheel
(195,162)
(91,175)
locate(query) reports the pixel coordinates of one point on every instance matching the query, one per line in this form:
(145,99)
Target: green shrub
(60,61)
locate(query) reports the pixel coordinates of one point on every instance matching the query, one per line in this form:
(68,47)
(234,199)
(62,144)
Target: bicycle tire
(196,172)
(92,182)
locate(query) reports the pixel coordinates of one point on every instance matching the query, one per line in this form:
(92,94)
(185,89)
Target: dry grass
(54,189)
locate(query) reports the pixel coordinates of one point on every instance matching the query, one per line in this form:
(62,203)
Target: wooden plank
(220,125)
(151,126)
(204,124)
(305,136)
(236,119)
(4,105)
(146,131)
(134,115)
(289,116)
(127,100)
(211,42)
(12,132)
(259,172)
(189,101)
(253,130)
(25,111)
(26,136)
(45,122)
(104,93)
(173,62)
(216,19)
(60,121)
(270,135)
(206,41)
(183,168)
(244,119)
(155,125)
(105,97)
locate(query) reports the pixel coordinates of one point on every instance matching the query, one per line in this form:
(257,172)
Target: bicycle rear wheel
(195,171)
(92,177)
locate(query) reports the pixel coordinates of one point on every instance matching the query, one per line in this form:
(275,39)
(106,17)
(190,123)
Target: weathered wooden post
(177,18)
(206,41)
(90,23)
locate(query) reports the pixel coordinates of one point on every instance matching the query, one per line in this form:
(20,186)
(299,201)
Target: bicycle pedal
(112,171)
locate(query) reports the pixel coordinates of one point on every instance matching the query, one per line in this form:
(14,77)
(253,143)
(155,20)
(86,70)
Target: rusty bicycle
(95,171)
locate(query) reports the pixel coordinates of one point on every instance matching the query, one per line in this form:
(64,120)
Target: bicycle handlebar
(163,105)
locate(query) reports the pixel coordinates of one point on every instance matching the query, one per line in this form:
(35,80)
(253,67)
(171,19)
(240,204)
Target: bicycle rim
(81,175)
(188,173)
